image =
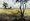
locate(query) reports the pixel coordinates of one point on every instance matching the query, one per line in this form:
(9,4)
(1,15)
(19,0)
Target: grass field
(13,10)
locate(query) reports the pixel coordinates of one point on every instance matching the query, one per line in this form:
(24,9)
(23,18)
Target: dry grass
(13,11)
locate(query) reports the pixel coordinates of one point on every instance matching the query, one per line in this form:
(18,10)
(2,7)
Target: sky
(14,4)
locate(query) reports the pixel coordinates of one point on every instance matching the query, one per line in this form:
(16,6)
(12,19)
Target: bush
(10,7)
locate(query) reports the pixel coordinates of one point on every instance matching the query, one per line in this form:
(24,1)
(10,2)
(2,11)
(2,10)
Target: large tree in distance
(5,5)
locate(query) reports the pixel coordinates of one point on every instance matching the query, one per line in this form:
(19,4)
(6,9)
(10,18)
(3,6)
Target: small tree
(10,7)
(5,5)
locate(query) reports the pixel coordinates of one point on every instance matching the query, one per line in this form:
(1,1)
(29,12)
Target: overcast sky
(13,3)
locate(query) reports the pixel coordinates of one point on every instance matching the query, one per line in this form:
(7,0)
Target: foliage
(5,4)
(10,7)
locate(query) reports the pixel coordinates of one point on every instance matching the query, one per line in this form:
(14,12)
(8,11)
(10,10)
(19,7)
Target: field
(13,10)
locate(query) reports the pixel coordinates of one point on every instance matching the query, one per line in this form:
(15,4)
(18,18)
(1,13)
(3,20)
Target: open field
(8,10)
(12,13)
(13,10)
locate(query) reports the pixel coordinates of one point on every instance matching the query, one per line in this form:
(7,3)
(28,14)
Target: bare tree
(22,13)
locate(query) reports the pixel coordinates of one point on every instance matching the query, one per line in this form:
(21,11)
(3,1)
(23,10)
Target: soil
(13,17)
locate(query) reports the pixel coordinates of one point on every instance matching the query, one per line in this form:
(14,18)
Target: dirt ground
(13,16)
(9,16)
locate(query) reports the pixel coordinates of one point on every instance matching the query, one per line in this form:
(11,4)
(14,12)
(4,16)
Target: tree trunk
(25,6)
(5,7)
